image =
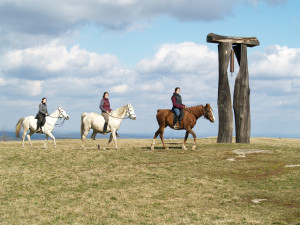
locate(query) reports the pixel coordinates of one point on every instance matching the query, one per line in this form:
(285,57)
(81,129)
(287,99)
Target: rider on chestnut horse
(165,119)
(177,106)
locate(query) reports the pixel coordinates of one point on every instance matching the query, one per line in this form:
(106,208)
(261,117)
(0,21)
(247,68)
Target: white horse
(30,123)
(96,122)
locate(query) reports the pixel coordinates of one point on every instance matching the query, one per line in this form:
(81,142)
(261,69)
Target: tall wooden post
(224,96)
(241,98)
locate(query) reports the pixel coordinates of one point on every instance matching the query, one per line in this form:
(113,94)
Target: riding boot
(105,127)
(38,127)
(175,123)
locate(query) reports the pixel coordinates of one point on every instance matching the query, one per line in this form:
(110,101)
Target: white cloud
(276,62)
(279,87)
(270,2)
(119,88)
(32,88)
(2,81)
(186,57)
(20,87)
(53,59)
(56,17)
(191,66)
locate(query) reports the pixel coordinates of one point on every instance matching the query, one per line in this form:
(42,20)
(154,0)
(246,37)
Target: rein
(128,117)
(61,124)
(118,117)
(58,125)
(194,114)
(190,112)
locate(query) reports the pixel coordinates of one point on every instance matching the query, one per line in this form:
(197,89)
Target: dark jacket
(177,101)
(43,109)
(105,105)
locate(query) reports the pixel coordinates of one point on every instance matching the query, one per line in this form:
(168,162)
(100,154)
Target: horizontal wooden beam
(249,41)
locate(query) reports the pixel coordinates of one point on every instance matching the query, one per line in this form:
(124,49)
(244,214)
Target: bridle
(63,116)
(205,114)
(128,117)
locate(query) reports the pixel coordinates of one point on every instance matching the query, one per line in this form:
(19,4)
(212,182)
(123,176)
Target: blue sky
(139,51)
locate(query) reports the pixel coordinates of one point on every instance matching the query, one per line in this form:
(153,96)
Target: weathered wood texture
(215,38)
(224,97)
(241,97)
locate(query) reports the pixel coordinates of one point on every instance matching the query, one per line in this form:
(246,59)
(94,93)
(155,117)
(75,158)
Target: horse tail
(19,126)
(82,125)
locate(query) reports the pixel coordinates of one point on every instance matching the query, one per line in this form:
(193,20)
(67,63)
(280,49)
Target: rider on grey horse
(41,116)
(105,108)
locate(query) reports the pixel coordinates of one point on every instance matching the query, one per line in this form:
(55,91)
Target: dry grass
(134,185)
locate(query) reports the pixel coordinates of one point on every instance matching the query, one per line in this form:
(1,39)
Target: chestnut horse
(165,118)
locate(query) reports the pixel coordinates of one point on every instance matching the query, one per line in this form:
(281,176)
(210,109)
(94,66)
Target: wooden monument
(241,97)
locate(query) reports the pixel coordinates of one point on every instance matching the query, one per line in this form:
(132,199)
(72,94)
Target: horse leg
(113,134)
(154,138)
(185,138)
(28,137)
(46,140)
(194,135)
(161,134)
(93,136)
(51,135)
(23,138)
(83,137)
(110,139)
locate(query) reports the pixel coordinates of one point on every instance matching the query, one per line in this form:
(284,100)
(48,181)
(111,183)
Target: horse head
(62,113)
(130,112)
(208,113)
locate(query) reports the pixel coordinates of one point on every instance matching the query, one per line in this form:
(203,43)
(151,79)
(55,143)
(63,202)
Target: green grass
(134,185)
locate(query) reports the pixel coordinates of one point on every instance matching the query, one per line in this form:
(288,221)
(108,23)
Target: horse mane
(119,110)
(196,110)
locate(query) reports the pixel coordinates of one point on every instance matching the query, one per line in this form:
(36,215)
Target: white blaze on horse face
(63,113)
(213,120)
(131,113)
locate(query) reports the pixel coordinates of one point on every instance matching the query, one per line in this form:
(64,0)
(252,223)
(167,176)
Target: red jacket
(105,105)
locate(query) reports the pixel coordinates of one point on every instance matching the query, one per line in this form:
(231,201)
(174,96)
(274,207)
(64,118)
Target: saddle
(180,116)
(41,131)
(178,119)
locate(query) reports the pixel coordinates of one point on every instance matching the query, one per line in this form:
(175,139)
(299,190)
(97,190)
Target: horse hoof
(184,148)
(104,148)
(152,148)
(98,146)
(194,147)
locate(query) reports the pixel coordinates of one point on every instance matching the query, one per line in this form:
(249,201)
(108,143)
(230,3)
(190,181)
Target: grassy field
(134,185)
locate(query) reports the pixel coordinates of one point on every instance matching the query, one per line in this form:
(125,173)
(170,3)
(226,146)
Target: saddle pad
(180,116)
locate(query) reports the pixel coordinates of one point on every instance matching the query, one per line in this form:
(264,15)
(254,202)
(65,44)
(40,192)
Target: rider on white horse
(106,110)
(41,115)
